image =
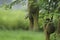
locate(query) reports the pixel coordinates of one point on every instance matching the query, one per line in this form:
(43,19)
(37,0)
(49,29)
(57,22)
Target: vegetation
(21,35)
(13,19)
(41,14)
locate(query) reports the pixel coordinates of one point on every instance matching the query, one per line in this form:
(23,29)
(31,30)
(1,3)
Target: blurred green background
(14,26)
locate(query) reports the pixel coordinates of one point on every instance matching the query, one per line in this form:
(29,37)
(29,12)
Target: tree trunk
(31,22)
(47,36)
(33,14)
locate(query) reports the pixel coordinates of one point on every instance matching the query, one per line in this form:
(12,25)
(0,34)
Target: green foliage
(21,35)
(53,36)
(13,19)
